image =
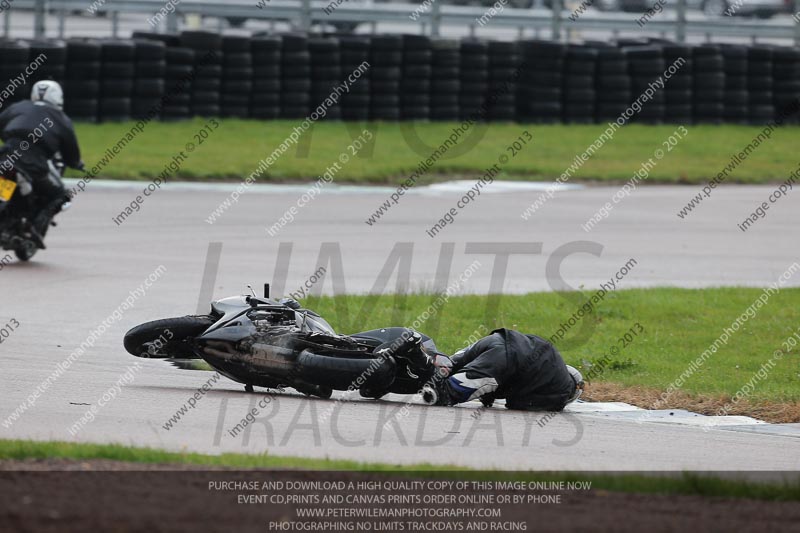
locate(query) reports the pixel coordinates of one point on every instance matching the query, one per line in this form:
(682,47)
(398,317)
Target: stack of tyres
(207,81)
(579,84)
(759,84)
(149,87)
(736,99)
(117,73)
(169,39)
(265,100)
(178,78)
(326,72)
(415,85)
(82,79)
(612,83)
(786,83)
(504,72)
(355,62)
(13,61)
(54,67)
(445,79)
(678,90)
(237,76)
(386,53)
(392,77)
(708,68)
(295,76)
(175,96)
(541,81)
(645,65)
(474,76)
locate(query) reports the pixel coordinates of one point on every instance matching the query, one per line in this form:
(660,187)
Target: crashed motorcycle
(259,341)
(18,210)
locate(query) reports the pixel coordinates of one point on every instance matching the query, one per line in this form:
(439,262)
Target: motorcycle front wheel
(169,337)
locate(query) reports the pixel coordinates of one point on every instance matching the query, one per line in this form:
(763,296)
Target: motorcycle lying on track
(276,343)
(17,212)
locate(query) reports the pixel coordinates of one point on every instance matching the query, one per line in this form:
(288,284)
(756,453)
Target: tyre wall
(410,77)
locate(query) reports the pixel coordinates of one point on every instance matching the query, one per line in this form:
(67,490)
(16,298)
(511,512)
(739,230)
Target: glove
(408,346)
(411,342)
(412,351)
(290,303)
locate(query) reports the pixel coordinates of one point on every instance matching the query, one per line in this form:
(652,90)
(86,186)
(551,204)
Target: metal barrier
(303,14)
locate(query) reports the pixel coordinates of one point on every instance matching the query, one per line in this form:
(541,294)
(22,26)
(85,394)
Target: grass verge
(683,483)
(235,149)
(675,326)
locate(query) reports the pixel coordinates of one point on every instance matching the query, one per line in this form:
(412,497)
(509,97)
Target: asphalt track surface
(92,265)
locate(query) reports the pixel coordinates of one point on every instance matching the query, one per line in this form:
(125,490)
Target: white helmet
(577,377)
(47,92)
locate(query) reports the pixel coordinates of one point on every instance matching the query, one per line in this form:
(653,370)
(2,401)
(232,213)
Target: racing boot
(437,392)
(32,234)
(45,217)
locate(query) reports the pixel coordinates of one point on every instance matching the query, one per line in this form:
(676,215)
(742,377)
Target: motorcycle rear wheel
(26,252)
(169,337)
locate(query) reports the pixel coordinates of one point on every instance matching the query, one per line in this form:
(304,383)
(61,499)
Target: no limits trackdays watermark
(416,325)
(389,421)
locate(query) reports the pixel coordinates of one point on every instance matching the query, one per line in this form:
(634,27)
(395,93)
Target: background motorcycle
(17,211)
(271,343)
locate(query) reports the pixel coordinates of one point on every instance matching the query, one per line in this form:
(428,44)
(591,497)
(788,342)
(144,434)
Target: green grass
(681,483)
(679,324)
(21,450)
(235,149)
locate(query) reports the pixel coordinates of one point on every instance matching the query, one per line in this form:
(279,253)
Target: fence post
(557,6)
(115,24)
(305,16)
(172,22)
(6,22)
(436,18)
(39,14)
(796,18)
(680,27)
(62,16)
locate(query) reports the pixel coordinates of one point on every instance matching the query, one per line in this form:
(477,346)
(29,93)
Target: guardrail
(303,14)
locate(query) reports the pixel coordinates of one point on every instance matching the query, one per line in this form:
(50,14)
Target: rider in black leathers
(526,370)
(33,132)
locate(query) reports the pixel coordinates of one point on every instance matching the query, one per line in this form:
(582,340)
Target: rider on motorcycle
(33,132)
(526,370)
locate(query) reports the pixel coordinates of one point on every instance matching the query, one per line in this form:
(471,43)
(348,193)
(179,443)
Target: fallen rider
(525,370)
